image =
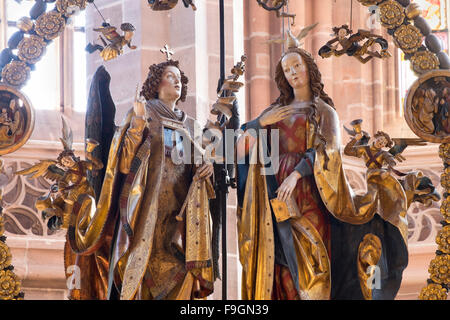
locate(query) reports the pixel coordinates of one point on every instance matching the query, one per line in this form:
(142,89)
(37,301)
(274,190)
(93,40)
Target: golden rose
(424,61)
(440,269)
(433,292)
(443,239)
(5,256)
(408,38)
(392,14)
(9,285)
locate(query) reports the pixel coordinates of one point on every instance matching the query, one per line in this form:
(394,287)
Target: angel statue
(303,232)
(350,45)
(116,41)
(70,176)
(148,225)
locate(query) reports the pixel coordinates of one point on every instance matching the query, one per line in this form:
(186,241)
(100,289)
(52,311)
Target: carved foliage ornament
(16,73)
(31,49)
(50,25)
(392,14)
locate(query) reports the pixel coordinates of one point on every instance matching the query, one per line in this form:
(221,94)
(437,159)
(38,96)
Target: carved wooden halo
(27,113)
(408,106)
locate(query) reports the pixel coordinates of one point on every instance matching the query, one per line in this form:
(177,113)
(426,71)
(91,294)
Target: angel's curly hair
(66,153)
(344,26)
(151,84)
(389,142)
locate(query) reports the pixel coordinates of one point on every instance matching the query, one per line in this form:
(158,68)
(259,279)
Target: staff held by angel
(355,45)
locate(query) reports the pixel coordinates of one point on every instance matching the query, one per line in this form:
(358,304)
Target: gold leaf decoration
(16,73)
(392,14)
(424,61)
(50,25)
(67,7)
(433,291)
(5,256)
(443,239)
(440,269)
(31,49)
(408,38)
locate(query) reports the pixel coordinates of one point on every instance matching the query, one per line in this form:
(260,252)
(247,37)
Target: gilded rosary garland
(433,291)
(16,73)
(443,240)
(440,269)
(444,152)
(9,285)
(445,178)
(369,3)
(50,25)
(392,14)
(424,61)
(445,208)
(5,256)
(66,7)
(408,38)
(31,49)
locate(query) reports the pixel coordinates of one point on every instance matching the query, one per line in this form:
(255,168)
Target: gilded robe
(153,256)
(303,243)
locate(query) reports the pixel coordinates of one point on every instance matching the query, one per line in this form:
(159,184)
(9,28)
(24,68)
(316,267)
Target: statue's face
(295,70)
(128,35)
(170,86)
(342,33)
(68,162)
(380,142)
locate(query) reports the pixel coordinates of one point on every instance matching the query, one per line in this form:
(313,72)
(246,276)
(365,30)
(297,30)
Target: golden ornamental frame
(431,137)
(30,119)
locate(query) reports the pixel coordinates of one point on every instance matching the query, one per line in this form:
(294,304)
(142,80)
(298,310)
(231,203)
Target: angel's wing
(109,32)
(67,135)
(400,144)
(46,168)
(304,32)
(357,37)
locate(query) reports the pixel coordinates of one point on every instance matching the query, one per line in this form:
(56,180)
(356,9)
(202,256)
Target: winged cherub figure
(351,45)
(116,41)
(69,174)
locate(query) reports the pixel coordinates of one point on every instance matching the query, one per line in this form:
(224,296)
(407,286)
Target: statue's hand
(288,186)
(276,114)
(205,171)
(139,106)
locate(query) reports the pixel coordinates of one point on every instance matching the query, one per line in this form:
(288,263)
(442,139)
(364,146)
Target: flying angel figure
(68,173)
(116,41)
(350,45)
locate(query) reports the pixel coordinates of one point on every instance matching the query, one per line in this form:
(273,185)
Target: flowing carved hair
(315,80)
(151,85)
(316,85)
